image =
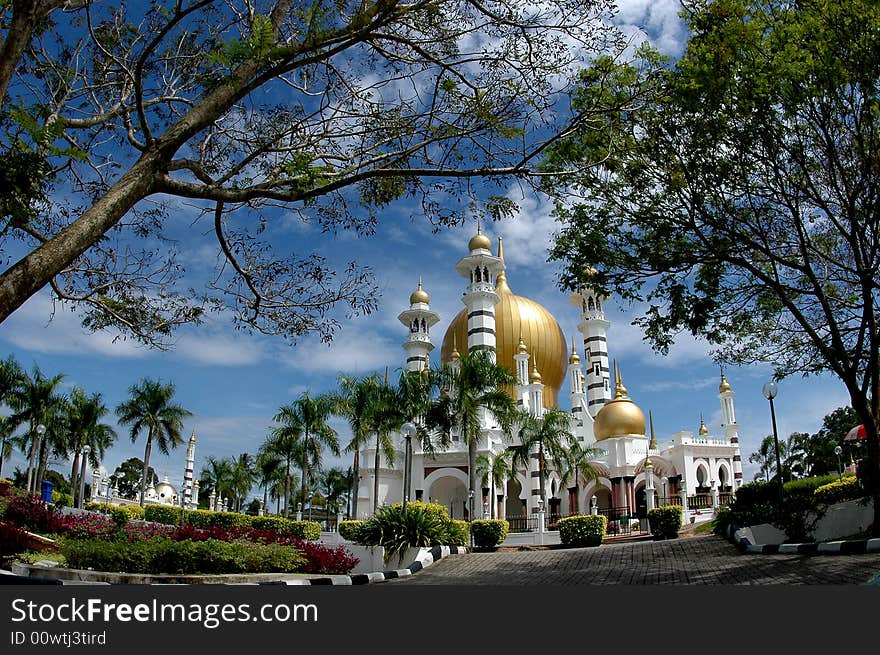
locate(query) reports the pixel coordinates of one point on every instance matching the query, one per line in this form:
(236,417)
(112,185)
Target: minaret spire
(653,444)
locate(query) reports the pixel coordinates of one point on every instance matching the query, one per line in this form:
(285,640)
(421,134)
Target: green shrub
(308,530)
(121,514)
(488,533)
(582,530)
(665,521)
(199,518)
(181,557)
(61,499)
(806,486)
(424,524)
(350,530)
(275,523)
(846,488)
(162,514)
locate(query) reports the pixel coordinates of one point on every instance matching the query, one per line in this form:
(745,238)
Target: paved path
(705,560)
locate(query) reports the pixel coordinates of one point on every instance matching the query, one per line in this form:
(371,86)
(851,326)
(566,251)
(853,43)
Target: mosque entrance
(452,494)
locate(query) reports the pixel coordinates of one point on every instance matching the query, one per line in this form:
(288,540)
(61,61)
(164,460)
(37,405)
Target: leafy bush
(308,530)
(200,518)
(665,521)
(162,514)
(424,524)
(12,539)
(6,487)
(229,519)
(488,533)
(458,533)
(132,512)
(846,488)
(350,530)
(61,499)
(29,512)
(182,557)
(326,559)
(276,523)
(582,530)
(86,526)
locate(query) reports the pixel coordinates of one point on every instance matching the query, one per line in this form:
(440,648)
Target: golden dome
(619,417)
(479,241)
(515,317)
(724,386)
(419,295)
(521,349)
(703,429)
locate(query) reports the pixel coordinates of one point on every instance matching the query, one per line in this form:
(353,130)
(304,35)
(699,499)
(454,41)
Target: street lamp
(770,390)
(35,446)
(408,430)
(82,476)
(837,451)
(471,515)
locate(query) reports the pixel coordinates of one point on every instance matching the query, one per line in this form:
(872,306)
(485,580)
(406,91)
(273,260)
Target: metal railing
(623,521)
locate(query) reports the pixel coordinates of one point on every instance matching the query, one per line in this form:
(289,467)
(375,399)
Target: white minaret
(419,319)
(731,429)
(188,471)
(536,392)
(521,358)
(480,268)
(594,329)
(576,384)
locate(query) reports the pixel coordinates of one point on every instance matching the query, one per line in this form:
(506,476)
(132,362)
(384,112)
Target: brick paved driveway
(705,560)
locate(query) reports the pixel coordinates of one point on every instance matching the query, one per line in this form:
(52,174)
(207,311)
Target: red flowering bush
(29,512)
(12,539)
(144,531)
(84,526)
(324,559)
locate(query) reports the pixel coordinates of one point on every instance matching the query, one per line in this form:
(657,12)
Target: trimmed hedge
(665,521)
(488,533)
(166,514)
(276,523)
(182,557)
(582,530)
(203,518)
(847,488)
(350,530)
(132,512)
(308,530)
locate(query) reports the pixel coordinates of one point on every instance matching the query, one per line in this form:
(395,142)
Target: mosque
(634,473)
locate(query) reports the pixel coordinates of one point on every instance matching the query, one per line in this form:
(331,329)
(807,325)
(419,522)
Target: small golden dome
(479,241)
(574,358)
(620,417)
(521,348)
(196,484)
(724,387)
(535,376)
(703,429)
(649,463)
(419,295)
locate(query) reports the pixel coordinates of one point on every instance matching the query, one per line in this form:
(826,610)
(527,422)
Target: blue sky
(234,382)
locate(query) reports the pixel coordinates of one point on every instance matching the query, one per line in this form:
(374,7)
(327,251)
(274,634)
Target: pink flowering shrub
(84,526)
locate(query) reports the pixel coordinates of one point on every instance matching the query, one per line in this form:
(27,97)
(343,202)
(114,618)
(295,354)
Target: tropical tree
(354,402)
(11,377)
(150,409)
(474,385)
(386,418)
(269,467)
(333,485)
(493,472)
(332,109)
(216,477)
(86,429)
(241,479)
(35,402)
(127,477)
(765,458)
(579,463)
(7,429)
(737,193)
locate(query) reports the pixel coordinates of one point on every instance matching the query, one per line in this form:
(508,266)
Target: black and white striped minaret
(481,268)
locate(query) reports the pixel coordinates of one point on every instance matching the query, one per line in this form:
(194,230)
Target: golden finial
(574,358)
(653,444)
(535,377)
(725,385)
(703,429)
(648,463)
(455,356)
(619,389)
(521,348)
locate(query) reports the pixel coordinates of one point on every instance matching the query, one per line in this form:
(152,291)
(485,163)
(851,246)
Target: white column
(731,429)
(594,330)
(649,485)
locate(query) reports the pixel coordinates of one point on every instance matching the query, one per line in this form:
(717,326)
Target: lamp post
(82,476)
(471,515)
(35,446)
(408,430)
(770,390)
(837,451)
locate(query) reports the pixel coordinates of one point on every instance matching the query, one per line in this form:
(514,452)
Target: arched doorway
(517,512)
(448,487)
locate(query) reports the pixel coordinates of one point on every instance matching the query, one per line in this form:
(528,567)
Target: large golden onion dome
(619,417)
(515,317)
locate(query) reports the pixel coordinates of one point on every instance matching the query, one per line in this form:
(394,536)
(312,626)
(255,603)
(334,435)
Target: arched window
(477,276)
(590,304)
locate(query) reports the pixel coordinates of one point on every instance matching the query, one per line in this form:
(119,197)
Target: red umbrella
(857,432)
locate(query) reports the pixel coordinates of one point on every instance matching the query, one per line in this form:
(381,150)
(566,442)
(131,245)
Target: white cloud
(352,351)
(219,349)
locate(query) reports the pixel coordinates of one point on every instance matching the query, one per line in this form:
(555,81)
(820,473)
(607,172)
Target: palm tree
(386,418)
(334,484)
(309,416)
(551,435)
(476,384)
(150,408)
(284,442)
(269,470)
(578,464)
(85,429)
(493,472)
(11,378)
(241,479)
(216,476)
(355,402)
(35,402)
(6,431)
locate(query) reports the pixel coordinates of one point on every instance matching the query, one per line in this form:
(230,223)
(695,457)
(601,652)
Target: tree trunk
(472,474)
(356,479)
(376,476)
(147,450)
(287,490)
(74,477)
(43,464)
(305,472)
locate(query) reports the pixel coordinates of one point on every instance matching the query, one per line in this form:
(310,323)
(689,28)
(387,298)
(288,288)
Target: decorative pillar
(594,329)
(731,429)
(649,485)
(419,319)
(684,500)
(521,358)
(594,504)
(714,492)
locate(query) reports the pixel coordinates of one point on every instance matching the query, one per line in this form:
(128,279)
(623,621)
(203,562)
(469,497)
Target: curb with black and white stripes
(856,547)
(424,559)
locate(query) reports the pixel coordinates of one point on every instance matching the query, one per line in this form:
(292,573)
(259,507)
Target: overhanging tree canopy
(331,110)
